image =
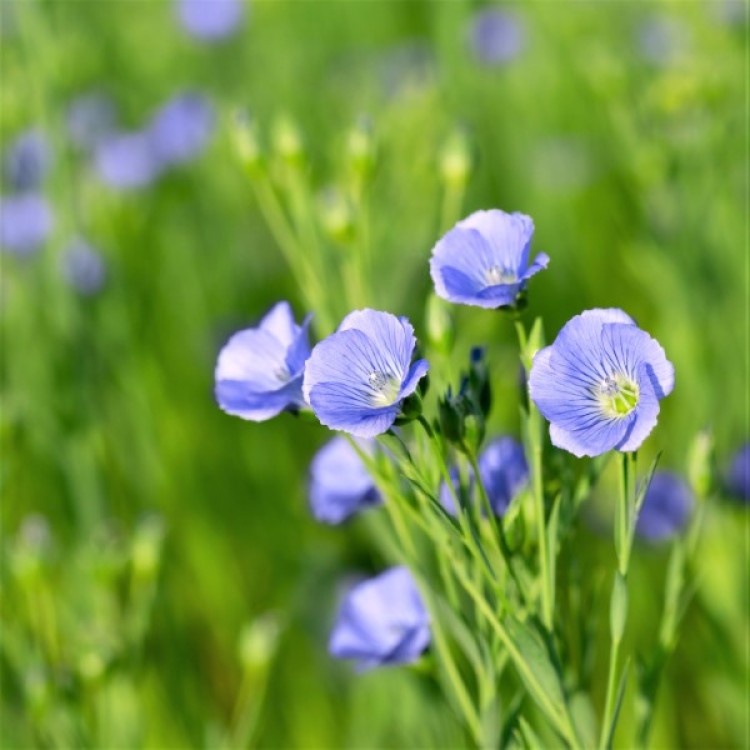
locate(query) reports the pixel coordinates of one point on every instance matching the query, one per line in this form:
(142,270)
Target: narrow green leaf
(618,704)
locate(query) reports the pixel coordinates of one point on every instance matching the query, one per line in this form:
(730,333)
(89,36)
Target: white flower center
(496,275)
(385,388)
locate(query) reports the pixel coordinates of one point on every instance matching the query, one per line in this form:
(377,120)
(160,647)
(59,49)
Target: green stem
(624,531)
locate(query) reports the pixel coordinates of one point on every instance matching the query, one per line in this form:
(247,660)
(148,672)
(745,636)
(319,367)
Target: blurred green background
(144,531)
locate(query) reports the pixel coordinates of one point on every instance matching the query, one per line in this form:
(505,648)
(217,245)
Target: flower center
(385,388)
(618,395)
(282,374)
(496,275)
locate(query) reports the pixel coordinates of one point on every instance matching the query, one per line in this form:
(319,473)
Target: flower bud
(441,331)
(455,160)
(336,215)
(474,433)
(258,642)
(701,467)
(244,135)
(360,148)
(451,413)
(479,380)
(287,140)
(147,544)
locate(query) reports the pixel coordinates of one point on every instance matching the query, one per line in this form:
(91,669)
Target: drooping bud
(258,642)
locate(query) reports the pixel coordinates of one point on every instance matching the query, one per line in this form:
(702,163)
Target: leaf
(584,718)
(537,671)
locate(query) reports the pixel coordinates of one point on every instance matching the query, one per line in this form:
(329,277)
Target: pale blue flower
(356,379)
(600,383)
(181,129)
(127,161)
(340,484)
(738,479)
(484,260)
(259,371)
(210,20)
(83,267)
(666,507)
(382,621)
(26,222)
(496,36)
(27,160)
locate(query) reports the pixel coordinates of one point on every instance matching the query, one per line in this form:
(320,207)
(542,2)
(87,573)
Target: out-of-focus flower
(407,68)
(356,379)
(600,383)
(382,621)
(26,222)
(738,478)
(660,40)
(665,508)
(90,118)
(181,128)
(339,482)
(496,36)
(127,161)
(27,160)
(210,20)
(504,473)
(484,260)
(83,267)
(259,371)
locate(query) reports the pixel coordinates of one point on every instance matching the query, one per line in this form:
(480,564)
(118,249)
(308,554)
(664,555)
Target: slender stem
(624,530)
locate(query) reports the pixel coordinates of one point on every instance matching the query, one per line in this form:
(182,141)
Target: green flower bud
(258,642)
(455,160)
(244,135)
(336,215)
(360,148)
(287,140)
(451,414)
(473,433)
(441,330)
(701,464)
(147,544)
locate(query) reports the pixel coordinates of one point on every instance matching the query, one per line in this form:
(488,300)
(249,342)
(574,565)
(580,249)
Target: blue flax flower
(504,473)
(180,130)
(484,260)
(259,371)
(665,508)
(210,20)
(382,621)
(90,118)
(83,268)
(496,36)
(738,479)
(26,221)
(27,160)
(339,482)
(127,161)
(600,383)
(356,379)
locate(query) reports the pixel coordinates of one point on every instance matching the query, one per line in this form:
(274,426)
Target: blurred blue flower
(26,221)
(496,36)
(738,479)
(90,118)
(259,371)
(382,621)
(446,496)
(600,383)
(356,379)
(339,482)
(181,128)
(83,268)
(210,20)
(665,508)
(504,473)
(660,40)
(27,160)
(127,161)
(484,259)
